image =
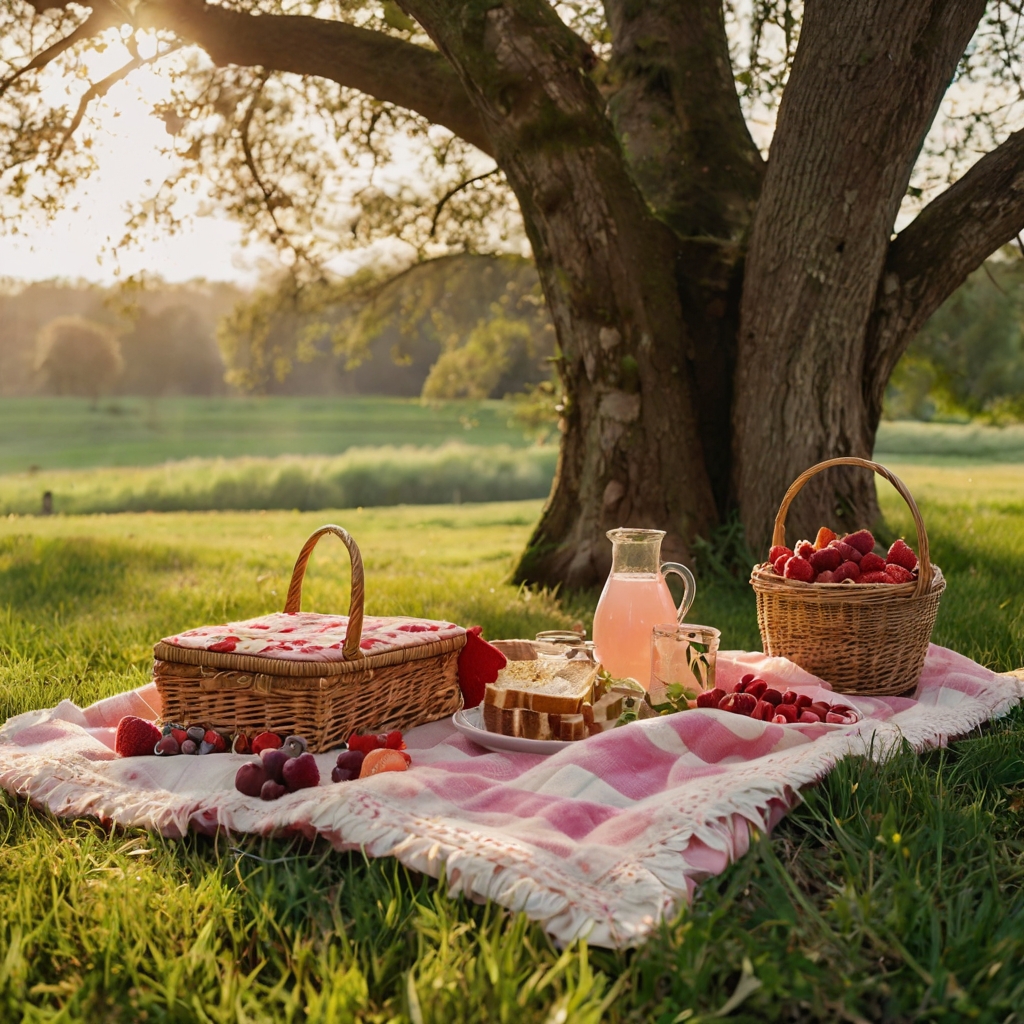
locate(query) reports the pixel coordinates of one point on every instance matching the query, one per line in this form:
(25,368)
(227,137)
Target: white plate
(470,722)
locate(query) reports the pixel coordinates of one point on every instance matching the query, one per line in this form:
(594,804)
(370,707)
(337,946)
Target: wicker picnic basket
(390,686)
(863,638)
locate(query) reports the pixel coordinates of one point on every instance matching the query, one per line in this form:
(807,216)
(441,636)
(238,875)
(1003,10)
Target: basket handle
(924,576)
(293,602)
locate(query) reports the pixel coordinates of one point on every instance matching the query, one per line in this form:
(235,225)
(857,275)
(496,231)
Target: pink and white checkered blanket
(600,840)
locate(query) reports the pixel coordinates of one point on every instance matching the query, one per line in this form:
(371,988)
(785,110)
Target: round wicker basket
(863,638)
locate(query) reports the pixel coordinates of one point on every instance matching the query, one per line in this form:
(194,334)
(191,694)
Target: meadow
(893,893)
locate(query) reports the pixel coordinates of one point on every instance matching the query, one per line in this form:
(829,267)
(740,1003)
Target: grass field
(70,433)
(894,893)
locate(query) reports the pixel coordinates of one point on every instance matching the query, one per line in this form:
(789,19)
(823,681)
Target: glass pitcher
(635,599)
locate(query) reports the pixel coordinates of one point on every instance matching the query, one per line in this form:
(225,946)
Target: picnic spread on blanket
(591,784)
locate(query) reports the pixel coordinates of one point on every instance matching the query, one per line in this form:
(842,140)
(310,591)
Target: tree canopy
(741,212)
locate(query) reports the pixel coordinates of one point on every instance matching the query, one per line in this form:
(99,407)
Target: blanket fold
(600,840)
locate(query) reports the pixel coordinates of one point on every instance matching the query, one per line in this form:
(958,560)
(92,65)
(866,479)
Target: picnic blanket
(600,840)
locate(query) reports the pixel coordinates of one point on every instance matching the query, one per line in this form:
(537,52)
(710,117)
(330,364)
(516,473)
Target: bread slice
(554,687)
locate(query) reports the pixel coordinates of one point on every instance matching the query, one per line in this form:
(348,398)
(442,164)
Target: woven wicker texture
(868,638)
(325,702)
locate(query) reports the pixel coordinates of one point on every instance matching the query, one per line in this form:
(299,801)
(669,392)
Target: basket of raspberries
(856,615)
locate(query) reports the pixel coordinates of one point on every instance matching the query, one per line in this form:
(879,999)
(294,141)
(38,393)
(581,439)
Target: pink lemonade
(631,605)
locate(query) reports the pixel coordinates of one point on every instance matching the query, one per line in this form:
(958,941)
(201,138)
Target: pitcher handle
(689,586)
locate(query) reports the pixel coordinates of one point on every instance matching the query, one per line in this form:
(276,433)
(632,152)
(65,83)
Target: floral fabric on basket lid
(309,636)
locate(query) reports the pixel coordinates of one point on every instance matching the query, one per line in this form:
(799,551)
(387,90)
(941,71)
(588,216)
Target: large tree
(723,319)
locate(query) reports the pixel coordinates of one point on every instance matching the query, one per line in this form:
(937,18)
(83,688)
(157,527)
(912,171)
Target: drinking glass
(683,656)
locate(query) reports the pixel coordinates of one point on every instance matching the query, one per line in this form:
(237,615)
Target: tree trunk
(630,453)
(865,85)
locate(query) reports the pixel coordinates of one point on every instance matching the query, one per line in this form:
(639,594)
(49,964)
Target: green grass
(453,472)
(895,892)
(69,433)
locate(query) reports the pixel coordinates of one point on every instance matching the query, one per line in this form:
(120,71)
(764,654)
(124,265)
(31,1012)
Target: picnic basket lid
(297,643)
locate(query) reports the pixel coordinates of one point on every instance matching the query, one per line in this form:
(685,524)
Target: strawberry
(826,560)
(301,772)
(384,761)
(826,577)
(180,735)
(745,681)
(779,565)
(266,741)
(847,571)
(394,741)
(872,563)
(809,717)
(787,712)
(789,697)
(756,688)
(240,743)
(802,701)
(820,708)
(772,696)
(902,555)
(805,549)
(777,551)
(216,741)
(862,540)
(249,778)
(710,698)
(739,703)
(874,577)
(833,719)
(763,712)
(897,574)
(824,538)
(798,568)
(136,737)
(364,743)
(479,664)
(847,551)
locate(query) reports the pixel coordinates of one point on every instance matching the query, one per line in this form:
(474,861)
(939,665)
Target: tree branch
(933,255)
(380,65)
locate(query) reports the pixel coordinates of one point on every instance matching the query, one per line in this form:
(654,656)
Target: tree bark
(630,454)
(865,85)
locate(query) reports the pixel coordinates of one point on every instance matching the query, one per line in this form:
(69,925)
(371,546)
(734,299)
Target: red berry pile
(277,772)
(173,739)
(754,698)
(832,559)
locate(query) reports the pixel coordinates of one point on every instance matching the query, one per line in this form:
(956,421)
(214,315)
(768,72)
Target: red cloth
(479,664)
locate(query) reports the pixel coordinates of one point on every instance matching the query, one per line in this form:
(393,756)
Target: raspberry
(847,571)
(847,551)
(862,540)
(384,760)
(872,563)
(710,698)
(249,778)
(136,737)
(273,763)
(824,538)
(897,574)
(902,555)
(739,703)
(351,759)
(756,688)
(826,560)
(167,746)
(394,740)
(826,577)
(798,568)
(787,712)
(266,741)
(344,774)
(777,551)
(301,772)
(874,577)
(805,549)
(272,790)
(764,712)
(779,565)
(189,747)
(772,696)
